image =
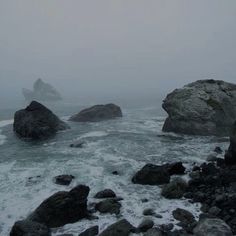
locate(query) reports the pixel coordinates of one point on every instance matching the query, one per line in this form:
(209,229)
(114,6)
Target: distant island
(42,92)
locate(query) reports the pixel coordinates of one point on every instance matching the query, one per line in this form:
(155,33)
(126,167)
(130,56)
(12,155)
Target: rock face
(98,113)
(230,156)
(41,92)
(62,208)
(37,122)
(151,175)
(205,107)
(212,227)
(26,228)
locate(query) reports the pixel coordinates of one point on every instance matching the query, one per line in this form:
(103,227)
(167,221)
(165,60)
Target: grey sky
(115,48)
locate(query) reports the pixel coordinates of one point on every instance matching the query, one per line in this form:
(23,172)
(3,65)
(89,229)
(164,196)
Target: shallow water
(124,145)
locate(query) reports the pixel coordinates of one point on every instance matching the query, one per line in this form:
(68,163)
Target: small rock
(145,225)
(111,206)
(115,172)
(93,231)
(64,179)
(106,193)
(79,144)
(183,216)
(176,168)
(218,150)
(167,227)
(149,212)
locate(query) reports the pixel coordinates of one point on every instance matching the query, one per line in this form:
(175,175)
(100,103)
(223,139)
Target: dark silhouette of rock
(111,206)
(29,228)
(106,193)
(98,113)
(62,208)
(152,175)
(120,228)
(64,179)
(183,216)
(42,92)
(230,156)
(93,231)
(145,225)
(175,168)
(205,107)
(37,122)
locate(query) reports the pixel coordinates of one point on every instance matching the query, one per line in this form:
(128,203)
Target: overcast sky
(115,48)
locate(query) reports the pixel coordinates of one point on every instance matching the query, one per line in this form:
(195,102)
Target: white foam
(94,134)
(2,124)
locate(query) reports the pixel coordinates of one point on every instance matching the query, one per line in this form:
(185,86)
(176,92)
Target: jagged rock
(98,113)
(111,206)
(64,179)
(62,208)
(42,92)
(93,231)
(29,228)
(120,228)
(174,189)
(205,107)
(230,156)
(37,122)
(151,175)
(106,193)
(212,227)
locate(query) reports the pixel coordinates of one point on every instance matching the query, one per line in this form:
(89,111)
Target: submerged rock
(145,225)
(151,175)
(230,156)
(212,227)
(37,122)
(42,92)
(64,179)
(205,107)
(98,113)
(93,231)
(29,228)
(106,193)
(120,228)
(111,206)
(62,208)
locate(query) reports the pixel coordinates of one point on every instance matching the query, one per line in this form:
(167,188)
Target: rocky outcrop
(212,227)
(230,156)
(26,228)
(62,208)
(205,107)
(37,122)
(98,113)
(42,92)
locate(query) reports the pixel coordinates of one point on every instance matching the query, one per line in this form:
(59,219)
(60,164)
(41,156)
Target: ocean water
(124,145)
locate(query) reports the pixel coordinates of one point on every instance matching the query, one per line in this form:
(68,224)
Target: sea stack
(205,107)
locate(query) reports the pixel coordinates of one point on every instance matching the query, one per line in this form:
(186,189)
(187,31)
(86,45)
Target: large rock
(120,228)
(62,208)
(42,92)
(212,227)
(205,107)
(230,156)
(37,122)
(29,228)
(152,175)
(98,113)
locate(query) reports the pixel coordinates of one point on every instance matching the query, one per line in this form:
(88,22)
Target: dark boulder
(175,168)
(37,122)
(145,225)
(62,208)
(120,228)
(98,113)
(230,156)
(106,193)
(29,228)
(111,206)
(151,175)
(93,231)
(183,216)
(64,179)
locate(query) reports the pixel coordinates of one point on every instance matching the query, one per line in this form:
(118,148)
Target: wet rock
(212,227)
(218,150)
(148,212)
(205,107)
(167,227)
(62,208)
(78,144)
(183,216)
(115,172)
(26,228)
(37,122)
(214,211)
(64,179)
(230,156)
(145,225)
(93,231)
(155,232)
(151,175)
(175,189)
(111,206)
(176,168)
(98,113)
(120,228)
(106,193)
